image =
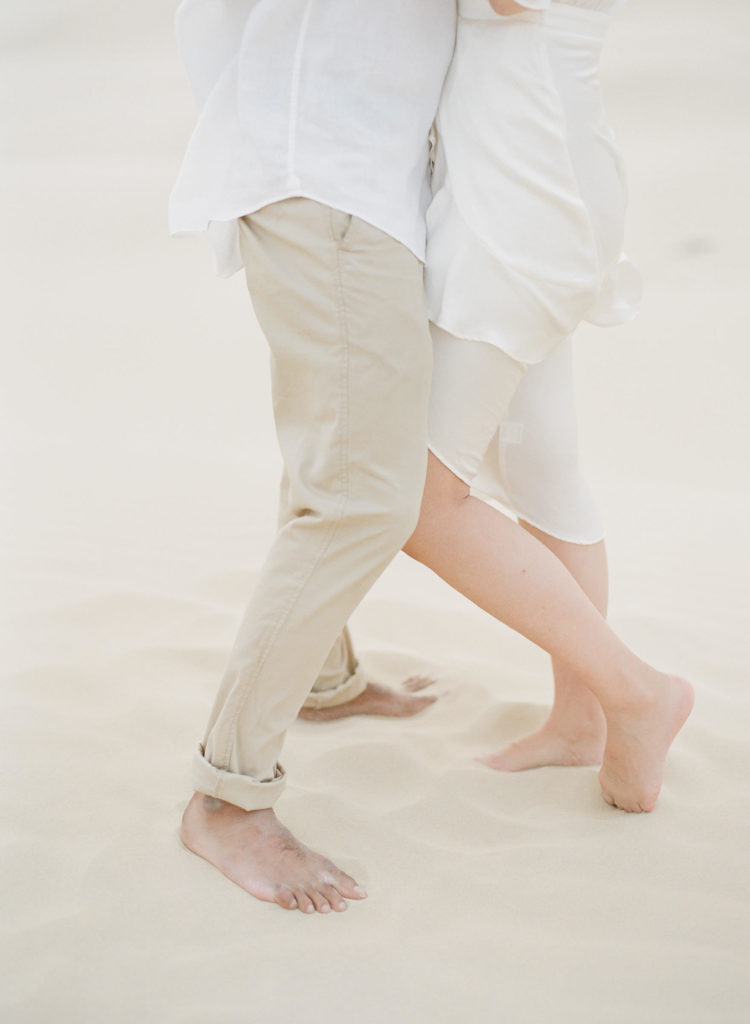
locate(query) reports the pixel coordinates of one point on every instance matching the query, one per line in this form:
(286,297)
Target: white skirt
(525,228)
(510,433)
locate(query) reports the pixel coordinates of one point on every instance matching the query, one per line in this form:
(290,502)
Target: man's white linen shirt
(328,99)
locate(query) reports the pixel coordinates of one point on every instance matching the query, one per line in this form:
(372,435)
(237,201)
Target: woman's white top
(526,226)
(328,99)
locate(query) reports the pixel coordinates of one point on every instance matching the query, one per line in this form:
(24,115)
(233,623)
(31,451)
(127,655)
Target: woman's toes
(605,788)
(647,803)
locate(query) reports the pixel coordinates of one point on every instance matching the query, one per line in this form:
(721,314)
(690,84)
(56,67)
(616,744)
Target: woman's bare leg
(503,569)
(575,732)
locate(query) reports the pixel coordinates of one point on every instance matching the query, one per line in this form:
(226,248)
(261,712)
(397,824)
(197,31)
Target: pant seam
(345,375)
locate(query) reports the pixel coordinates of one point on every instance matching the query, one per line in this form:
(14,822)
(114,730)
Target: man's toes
(416,683)
(334,897)
(286,898)
(304,902)
(346,885)
(321,903)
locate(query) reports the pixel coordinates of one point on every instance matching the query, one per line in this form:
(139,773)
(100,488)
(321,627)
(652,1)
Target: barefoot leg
(254,850)
(575,732)
(341,690)
(378,700)
(345,324)
(638,740)
(503,569)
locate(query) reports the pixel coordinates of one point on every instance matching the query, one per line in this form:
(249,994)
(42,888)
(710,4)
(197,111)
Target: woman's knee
(421,544)
(443,493)
(413,546)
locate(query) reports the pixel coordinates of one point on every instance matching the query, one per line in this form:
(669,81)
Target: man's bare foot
(565,743)
(638,739)
(253,849)
(378,700)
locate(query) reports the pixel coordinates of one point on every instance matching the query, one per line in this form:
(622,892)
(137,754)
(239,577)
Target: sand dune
(141,470)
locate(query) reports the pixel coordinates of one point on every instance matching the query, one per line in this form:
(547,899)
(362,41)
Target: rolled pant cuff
(241,790)
(352,686)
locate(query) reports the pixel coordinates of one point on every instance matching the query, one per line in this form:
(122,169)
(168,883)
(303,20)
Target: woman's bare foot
(378,700)
(563,743)
(639,736)
(254,850)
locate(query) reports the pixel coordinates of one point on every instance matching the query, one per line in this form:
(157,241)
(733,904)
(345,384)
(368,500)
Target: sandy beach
(140,469)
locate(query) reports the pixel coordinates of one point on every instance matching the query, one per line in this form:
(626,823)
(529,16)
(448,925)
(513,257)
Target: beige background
(140,470)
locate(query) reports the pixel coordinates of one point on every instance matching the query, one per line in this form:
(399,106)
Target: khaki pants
(341,678)
(342,307)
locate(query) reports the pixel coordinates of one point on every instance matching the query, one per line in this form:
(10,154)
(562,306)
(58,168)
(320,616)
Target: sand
(140,473)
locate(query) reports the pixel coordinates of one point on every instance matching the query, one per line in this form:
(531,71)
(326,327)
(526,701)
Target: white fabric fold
(525,229)
(332,100)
